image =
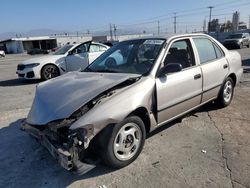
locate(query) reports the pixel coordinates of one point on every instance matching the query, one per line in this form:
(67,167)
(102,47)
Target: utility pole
(249,23)
(175,22)
(111,33)
(210,13)
(204,25)
(115,28)
(158,22)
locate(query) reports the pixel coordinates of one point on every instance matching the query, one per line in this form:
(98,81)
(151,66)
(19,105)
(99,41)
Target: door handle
(197,76)
(225,66)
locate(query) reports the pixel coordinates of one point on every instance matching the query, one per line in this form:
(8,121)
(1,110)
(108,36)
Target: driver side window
(181,52)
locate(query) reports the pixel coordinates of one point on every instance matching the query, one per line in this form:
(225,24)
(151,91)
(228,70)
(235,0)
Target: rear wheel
(49,71)
(123,142)
(226,93)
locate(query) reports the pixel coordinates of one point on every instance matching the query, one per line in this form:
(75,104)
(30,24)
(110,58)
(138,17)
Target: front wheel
(226,93)
(49,71)
(124,142)
(241,46)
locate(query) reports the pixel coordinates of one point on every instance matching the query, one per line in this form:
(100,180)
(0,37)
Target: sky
(96,15)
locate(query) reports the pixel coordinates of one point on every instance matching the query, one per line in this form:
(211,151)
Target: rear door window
(205,49)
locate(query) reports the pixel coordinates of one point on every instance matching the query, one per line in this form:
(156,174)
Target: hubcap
(227,93)
(127,141)
(50,72)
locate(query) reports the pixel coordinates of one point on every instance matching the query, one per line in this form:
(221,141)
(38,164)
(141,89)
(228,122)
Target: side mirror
(169,68)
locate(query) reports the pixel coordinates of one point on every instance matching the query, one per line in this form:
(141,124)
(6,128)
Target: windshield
(134,57)
(235,36)
(63,50)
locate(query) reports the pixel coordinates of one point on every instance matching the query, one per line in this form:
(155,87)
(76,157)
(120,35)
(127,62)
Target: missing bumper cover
(65,157)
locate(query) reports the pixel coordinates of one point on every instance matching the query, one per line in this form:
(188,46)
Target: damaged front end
(67,146)
(70,147)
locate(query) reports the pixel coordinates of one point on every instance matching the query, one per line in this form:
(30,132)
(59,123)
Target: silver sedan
(130,90)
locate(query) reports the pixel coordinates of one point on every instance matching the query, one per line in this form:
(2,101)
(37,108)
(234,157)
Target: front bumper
(64,157)
(29,73)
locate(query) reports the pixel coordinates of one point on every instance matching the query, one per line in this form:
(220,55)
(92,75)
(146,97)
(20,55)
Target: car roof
(170,36)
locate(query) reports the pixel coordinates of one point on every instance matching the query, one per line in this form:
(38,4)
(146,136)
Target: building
(226,27)
(242,26)
(20,45)
(71,39)
(235,21)
(214,25)
(106,38)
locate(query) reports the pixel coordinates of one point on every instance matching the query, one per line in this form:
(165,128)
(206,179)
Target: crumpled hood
(43,59)
(58,98)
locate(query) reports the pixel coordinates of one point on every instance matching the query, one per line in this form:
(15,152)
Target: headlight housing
(32,65)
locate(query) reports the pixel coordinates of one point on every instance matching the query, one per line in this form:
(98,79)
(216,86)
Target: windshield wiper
(111,71)
(87,69)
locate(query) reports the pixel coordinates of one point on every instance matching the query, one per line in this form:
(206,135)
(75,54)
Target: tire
(241,46)
(122,143)
(49,71)
(226,93)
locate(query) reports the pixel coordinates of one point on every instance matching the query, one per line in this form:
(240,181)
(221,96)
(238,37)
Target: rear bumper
(64,157)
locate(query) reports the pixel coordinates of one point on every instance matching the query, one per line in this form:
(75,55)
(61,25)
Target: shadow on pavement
(25,163)
(18,82)
(206,108)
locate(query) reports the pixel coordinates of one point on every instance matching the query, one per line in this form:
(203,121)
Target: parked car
(54,49)
(2,53)
(36,51)
(67,58)
(110,106)
(237,40)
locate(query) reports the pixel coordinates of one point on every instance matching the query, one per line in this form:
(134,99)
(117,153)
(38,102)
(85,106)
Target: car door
(95,51)
(213,64)
(180,91)
(78,58)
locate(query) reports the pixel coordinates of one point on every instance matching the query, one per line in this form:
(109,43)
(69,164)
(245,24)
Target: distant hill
(48,32)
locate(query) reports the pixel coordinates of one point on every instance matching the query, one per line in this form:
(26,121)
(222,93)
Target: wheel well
(233,77)
(143,114)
